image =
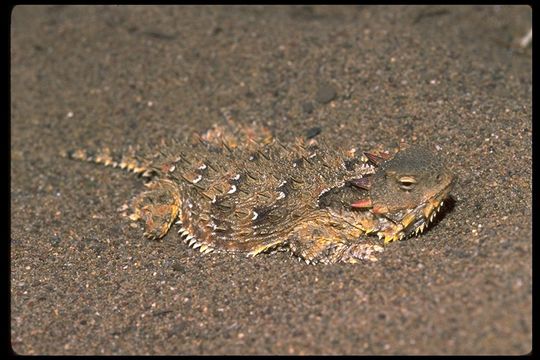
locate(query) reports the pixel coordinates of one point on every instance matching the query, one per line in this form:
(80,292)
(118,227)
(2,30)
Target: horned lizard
(237,189)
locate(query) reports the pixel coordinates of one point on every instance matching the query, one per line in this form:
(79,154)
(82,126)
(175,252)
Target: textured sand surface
(84,282)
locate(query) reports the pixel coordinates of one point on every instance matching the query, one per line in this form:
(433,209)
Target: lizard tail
(127,161)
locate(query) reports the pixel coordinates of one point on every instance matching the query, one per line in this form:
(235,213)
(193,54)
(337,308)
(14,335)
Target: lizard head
(405,192)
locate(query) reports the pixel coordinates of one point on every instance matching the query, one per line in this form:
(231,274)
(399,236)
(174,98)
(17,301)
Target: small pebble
(325,93)
(312,132)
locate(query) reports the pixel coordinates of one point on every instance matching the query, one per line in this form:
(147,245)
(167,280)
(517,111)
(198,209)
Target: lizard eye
(407,182)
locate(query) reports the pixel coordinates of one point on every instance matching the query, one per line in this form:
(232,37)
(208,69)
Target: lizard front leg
(328,239)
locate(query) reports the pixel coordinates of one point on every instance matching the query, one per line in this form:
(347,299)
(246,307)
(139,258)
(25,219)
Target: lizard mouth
(423,216)
(415,221)
(411,222)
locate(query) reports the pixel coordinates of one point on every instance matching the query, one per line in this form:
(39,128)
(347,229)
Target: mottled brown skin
(236,189)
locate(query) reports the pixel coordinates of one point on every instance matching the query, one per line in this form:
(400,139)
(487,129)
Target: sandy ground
(84,282)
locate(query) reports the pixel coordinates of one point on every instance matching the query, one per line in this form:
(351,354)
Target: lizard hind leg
(158,208)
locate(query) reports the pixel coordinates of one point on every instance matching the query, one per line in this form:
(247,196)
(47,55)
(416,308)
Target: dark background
(83,281)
